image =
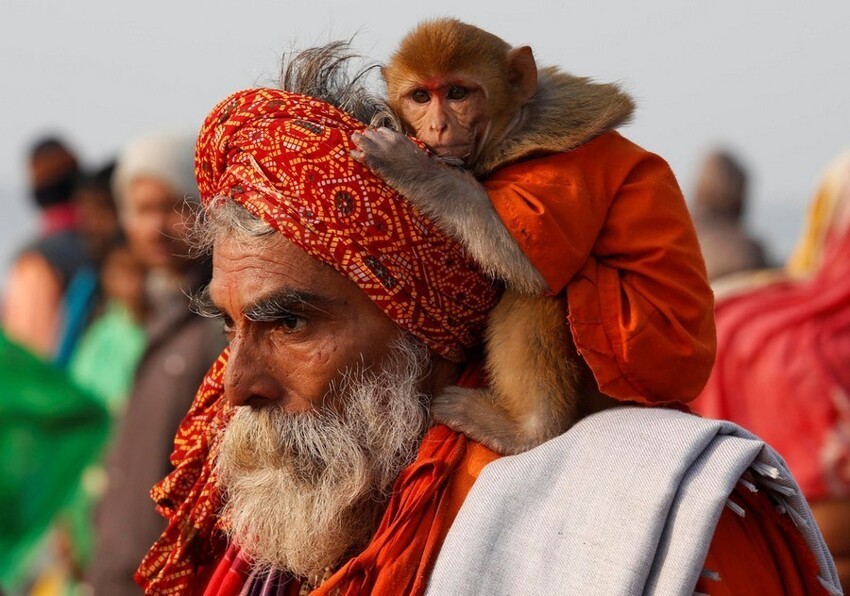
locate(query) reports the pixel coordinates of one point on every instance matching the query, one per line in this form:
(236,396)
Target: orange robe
(759,554)
(607,221)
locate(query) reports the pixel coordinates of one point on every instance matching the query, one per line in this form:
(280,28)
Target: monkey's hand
(432,186)
(396,159)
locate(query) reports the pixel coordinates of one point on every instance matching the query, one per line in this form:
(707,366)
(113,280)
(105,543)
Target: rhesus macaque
(478,103)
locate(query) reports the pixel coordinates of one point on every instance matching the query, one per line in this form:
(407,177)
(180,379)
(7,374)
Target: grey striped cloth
(625,502)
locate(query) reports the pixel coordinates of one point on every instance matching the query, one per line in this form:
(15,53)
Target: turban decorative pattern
(285,158)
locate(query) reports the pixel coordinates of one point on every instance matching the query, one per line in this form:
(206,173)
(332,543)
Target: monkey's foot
(476,414)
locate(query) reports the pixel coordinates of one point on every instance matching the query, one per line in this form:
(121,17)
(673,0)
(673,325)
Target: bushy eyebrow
(283,303)
(201,303)
(278,304)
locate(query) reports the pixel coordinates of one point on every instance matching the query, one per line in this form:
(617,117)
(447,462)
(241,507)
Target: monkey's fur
(539,385)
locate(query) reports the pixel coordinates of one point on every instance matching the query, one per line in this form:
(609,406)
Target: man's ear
(522,73)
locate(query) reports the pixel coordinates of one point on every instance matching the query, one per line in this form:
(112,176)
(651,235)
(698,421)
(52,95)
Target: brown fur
(535,374)
(539,385)
(446,45)
(565,112)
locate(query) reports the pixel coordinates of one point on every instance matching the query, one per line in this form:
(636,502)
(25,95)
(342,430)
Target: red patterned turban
(285,158)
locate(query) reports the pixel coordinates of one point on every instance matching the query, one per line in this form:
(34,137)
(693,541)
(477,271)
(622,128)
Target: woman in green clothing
(109,351)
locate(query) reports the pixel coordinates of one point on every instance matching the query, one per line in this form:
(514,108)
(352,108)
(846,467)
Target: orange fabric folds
(608,223)
(187,497)
(426,498)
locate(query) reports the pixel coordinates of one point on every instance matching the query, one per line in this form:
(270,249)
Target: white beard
(304,490)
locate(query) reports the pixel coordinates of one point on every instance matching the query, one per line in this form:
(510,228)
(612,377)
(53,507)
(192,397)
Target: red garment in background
(783,371)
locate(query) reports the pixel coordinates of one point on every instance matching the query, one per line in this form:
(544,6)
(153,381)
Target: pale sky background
(769,79)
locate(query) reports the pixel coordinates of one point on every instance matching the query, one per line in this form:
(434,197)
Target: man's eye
(420,96)
(457,92)
(228,325)
(292,322)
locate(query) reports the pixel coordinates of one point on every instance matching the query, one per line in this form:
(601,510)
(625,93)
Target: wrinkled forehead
(275,275)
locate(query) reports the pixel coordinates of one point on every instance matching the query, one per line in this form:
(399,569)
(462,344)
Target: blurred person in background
(153,177)
(104,364)
(719,205)
(80,217)
(109,351)
(783,361)
(98,225)
(32,308)
(97,210)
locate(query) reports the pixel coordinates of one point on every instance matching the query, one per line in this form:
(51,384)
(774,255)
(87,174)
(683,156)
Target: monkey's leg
(535,378)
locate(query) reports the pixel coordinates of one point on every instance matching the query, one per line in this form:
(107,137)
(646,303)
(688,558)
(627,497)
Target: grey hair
(328,73)
(225,216)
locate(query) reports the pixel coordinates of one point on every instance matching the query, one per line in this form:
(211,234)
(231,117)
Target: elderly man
(307,463)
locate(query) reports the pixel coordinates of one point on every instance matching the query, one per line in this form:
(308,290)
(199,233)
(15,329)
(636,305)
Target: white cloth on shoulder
(626,502)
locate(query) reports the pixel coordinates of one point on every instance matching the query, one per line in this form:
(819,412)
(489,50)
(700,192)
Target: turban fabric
(285,158)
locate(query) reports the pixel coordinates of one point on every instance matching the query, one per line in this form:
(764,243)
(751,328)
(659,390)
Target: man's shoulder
(632,493)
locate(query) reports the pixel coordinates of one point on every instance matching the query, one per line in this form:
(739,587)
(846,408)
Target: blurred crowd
(101,294)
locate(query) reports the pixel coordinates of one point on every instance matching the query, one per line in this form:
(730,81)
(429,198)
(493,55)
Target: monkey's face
(451,116)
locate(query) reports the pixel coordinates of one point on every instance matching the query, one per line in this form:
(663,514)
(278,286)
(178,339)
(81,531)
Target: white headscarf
(168,157)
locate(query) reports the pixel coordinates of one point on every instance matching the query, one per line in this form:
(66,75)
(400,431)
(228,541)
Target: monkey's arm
(456,201)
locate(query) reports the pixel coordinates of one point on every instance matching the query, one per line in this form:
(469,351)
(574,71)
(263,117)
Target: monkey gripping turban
(285,158)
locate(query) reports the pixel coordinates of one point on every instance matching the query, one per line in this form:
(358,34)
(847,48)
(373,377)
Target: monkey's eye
(420,96)
(457,92)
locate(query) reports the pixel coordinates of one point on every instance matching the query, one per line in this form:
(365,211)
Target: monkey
(480,105)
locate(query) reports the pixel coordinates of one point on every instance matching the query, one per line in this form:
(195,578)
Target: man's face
(330,405)
(153,217)
(294,324)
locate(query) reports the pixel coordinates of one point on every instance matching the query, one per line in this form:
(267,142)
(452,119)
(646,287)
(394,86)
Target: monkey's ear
(388,74)
(522,72)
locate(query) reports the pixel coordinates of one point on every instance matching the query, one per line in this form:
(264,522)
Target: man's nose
(247,376)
